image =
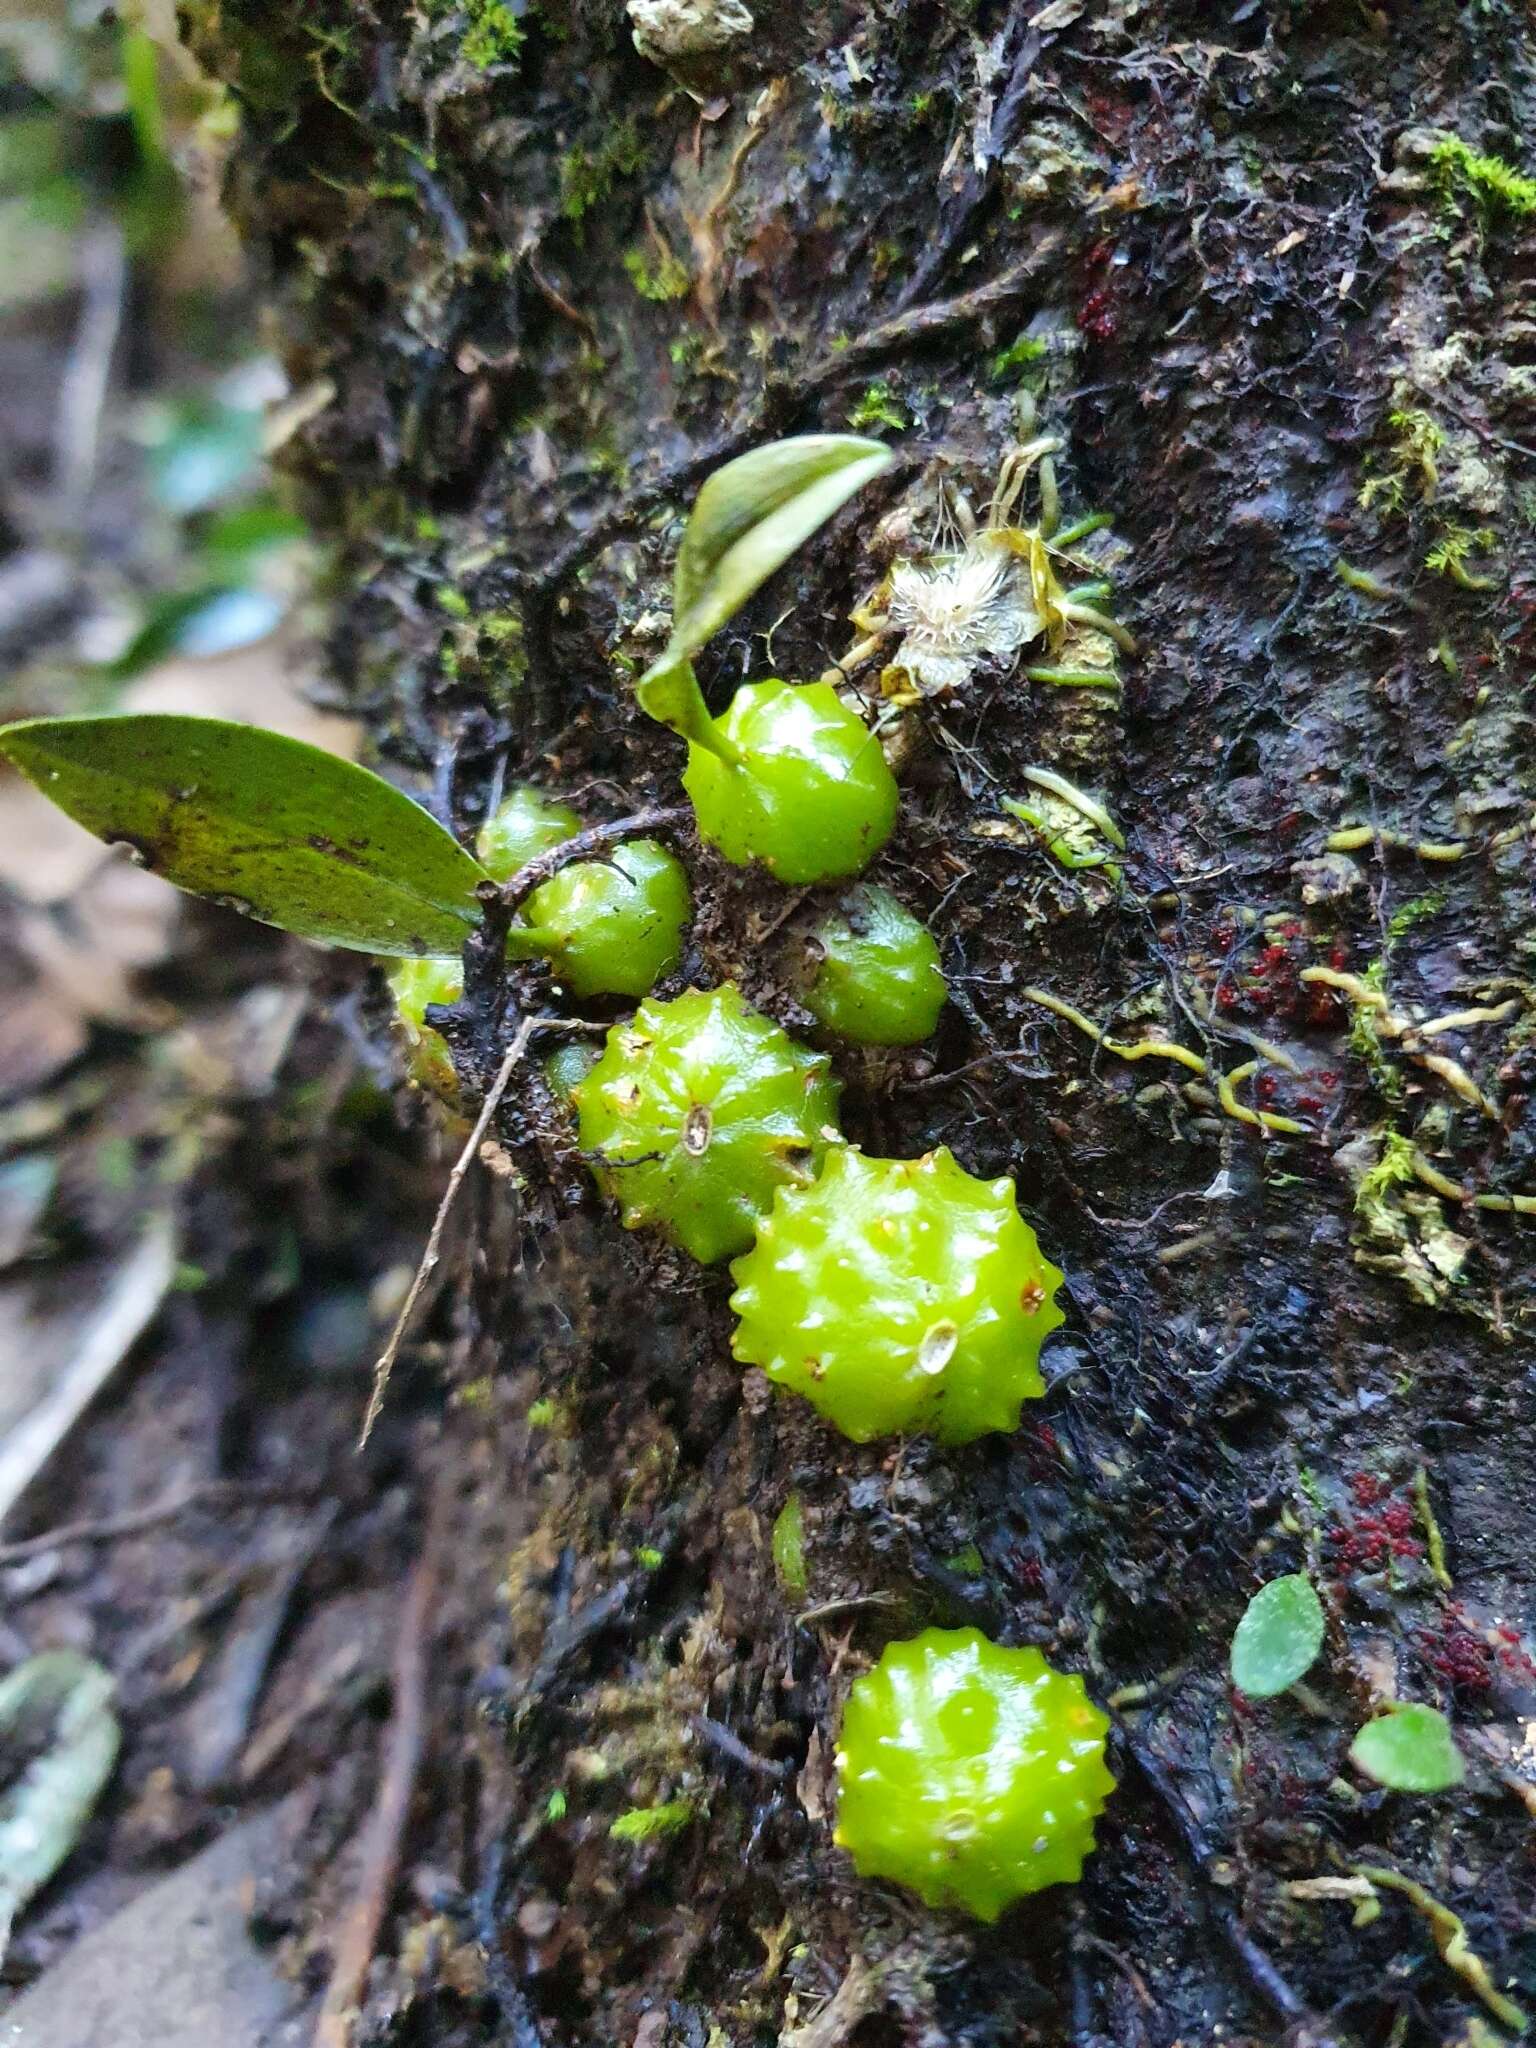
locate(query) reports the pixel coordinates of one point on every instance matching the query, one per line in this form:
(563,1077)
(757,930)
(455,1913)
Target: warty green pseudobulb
(899,1296)
(798,783)
(971,1773)
(876,979)
(697,1111)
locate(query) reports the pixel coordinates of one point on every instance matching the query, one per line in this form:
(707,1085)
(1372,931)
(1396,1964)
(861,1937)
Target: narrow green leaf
(1409,1749)
(750,517)
(1278,1638)
(280,830)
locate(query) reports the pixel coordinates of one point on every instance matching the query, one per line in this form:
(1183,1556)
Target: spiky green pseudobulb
(799,784)
(697,1111)
(899,1296)
(971,1773)
(877,979)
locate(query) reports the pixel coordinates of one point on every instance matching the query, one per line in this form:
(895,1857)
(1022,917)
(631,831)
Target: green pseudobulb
(697,1111)
(608,927)
(971,1773)
(800,784)
(877,979)
(525,824)
(613,927)
(415,984)
(899,1296)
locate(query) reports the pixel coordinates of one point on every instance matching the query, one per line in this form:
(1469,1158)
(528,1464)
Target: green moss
(644,1823)
(1415,912)
(879,407)
(1392,1169)
(1414,440)
(542,1414)
(1018,357)
(1448,556)
(658,273)
(453,602)
(587,176)
(1494,189)
(495,36)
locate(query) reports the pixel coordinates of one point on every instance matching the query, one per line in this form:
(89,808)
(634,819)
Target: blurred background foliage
(138,521)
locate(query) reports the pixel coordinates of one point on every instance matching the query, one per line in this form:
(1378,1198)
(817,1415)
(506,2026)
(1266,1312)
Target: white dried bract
(954,611)
(674,31)
(985,592)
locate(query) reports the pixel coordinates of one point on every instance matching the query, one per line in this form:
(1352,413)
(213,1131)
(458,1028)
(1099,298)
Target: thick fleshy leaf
(1278,1638)
(280,830)
(1409,1749)
(747,520)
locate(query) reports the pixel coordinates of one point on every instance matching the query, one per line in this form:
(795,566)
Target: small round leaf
(1278,1637)
(1409,1749)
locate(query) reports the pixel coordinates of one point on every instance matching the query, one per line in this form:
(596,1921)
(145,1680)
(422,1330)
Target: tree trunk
(532,283)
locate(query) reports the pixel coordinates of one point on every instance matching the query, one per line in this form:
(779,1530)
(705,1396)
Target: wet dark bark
(1221,224)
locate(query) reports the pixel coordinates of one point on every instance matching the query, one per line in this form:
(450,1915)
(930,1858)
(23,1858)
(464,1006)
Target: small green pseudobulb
(415,984)
(525,824)
(697,1111)
(792,778)
(877,979)
(971,1773)
(899,1296)
(612,927)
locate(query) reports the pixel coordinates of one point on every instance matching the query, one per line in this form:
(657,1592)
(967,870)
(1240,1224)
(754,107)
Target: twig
(385,1827)
(106,1529)
(720,1737)
(596,839)
(1261,1971)
(511,1999)
(434,1248)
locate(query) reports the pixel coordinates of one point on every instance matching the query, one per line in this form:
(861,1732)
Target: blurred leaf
(208,451)
(1409,1749)
(236,538)
(201,623)
(58,1742)
(1278,1638)
(273,827)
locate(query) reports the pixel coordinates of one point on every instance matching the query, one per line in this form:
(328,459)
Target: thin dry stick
(386,1824)
(133,1521)
(434,1250)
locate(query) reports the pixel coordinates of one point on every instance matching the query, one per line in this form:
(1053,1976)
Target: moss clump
(495,35)
(658,274)
(879,407)
(645,1823)
(587,176)
(1494,189)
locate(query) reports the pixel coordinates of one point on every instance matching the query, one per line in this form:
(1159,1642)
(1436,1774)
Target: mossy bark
(531,284)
